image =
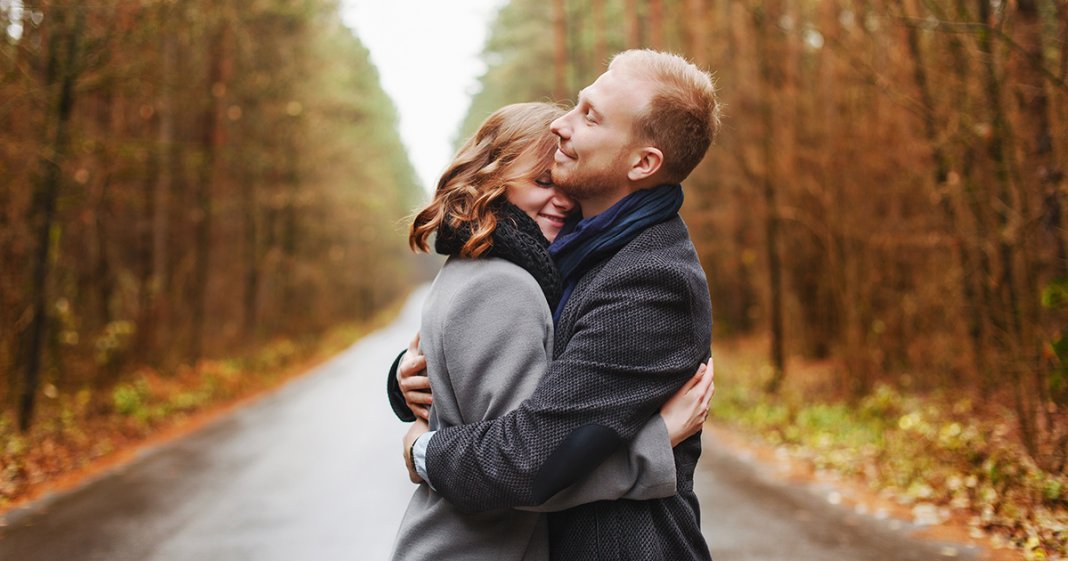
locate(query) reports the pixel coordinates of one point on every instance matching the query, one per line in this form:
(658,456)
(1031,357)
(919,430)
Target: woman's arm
(407,385)
(393,392)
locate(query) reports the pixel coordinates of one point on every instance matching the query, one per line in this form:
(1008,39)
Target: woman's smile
(536,195)
(555,220)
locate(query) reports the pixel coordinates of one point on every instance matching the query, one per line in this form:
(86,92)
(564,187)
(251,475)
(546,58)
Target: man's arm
(639,338)
(643,469)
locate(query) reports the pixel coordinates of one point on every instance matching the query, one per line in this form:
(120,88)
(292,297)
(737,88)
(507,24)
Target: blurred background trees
(888,191)
(183,180)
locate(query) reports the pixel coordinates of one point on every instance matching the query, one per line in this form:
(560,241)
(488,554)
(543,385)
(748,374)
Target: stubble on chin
(582,186)
(562,180)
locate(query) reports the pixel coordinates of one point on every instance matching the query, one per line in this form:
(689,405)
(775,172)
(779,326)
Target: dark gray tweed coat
(635,329)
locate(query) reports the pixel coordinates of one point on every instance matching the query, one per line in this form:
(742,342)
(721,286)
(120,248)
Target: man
(633,325)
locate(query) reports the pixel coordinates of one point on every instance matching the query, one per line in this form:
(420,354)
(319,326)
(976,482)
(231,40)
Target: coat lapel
(565,327)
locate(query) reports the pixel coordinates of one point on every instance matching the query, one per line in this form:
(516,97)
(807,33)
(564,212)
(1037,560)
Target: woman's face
(536,195)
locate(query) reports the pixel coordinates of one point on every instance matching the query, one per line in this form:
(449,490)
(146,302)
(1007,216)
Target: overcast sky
(427,53)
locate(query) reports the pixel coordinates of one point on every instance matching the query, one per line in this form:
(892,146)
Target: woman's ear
(647,161)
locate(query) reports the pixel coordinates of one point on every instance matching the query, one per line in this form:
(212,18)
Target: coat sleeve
(638,338)
(642,470)
(393,392)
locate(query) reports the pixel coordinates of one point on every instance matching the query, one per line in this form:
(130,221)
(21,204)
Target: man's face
(596,137)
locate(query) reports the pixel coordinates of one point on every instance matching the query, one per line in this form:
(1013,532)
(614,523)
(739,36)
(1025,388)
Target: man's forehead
(597,86)
(586,93)
(616,90)
(598,90)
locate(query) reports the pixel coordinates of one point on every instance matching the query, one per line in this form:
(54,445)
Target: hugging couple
(561,338)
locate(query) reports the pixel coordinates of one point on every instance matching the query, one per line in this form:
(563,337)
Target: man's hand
(417,429)
(685,412)
(413,381)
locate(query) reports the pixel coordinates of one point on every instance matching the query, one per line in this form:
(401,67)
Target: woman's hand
(417,429)
(413,381)
(686,411)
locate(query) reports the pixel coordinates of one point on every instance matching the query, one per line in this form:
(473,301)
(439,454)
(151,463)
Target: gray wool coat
(636,327)
(487,334)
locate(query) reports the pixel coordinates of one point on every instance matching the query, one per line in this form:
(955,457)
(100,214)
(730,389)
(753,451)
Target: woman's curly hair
(481,171)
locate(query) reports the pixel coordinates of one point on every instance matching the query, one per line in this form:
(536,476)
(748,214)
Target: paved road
(314,472)
(750,514)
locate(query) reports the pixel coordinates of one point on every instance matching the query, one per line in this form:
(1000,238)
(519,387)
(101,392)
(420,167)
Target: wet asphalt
(313,472)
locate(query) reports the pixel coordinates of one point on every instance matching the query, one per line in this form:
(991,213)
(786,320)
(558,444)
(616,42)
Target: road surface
(314,472)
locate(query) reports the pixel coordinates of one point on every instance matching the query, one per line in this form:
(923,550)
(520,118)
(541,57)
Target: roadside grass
(74,433)
(936,454)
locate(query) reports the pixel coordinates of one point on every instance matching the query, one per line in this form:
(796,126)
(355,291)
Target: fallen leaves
(932,453)
(74,430)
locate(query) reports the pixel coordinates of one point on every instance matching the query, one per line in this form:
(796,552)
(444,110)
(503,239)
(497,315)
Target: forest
(888,189)
(183,182)
(886,201)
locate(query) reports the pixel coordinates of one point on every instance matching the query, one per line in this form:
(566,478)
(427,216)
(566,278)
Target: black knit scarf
(518,239)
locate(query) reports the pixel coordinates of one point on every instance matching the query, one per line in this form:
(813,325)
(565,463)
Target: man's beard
(580,182)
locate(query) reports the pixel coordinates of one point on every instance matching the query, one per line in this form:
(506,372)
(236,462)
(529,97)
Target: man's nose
(558,127)
(563,202)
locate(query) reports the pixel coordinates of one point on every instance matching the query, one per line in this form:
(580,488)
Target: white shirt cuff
(419,455)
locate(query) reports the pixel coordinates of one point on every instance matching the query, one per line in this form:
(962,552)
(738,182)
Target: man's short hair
(684,115)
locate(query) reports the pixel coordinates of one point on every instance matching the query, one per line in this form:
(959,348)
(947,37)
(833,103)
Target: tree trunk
(1041,178)
(770,76)
(62,68)
(630,15)
(697,31)
(159,278)
(1041,174)
(560,91)
(600,49)
(211,143)
(103,280)
(1006,208)
(252,264)
(656,24)
(290,230)
(982,309)
(1062,31)
(960,247)
(1062,73)
(147,322)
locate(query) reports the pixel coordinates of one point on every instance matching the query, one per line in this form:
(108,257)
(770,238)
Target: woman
(487,334)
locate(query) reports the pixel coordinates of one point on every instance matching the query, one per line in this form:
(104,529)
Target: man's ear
(645,163)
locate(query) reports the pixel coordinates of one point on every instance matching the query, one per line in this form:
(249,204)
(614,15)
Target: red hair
(481,171)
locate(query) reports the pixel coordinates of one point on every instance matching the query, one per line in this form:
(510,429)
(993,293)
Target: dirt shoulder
(952,464)
(77,437)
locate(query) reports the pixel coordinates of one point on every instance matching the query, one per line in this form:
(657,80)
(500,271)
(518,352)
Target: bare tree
(61,72)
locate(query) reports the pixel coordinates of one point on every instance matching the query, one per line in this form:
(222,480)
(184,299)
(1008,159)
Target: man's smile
(561,155)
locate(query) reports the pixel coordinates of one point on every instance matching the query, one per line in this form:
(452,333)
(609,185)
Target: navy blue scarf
(585,243)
